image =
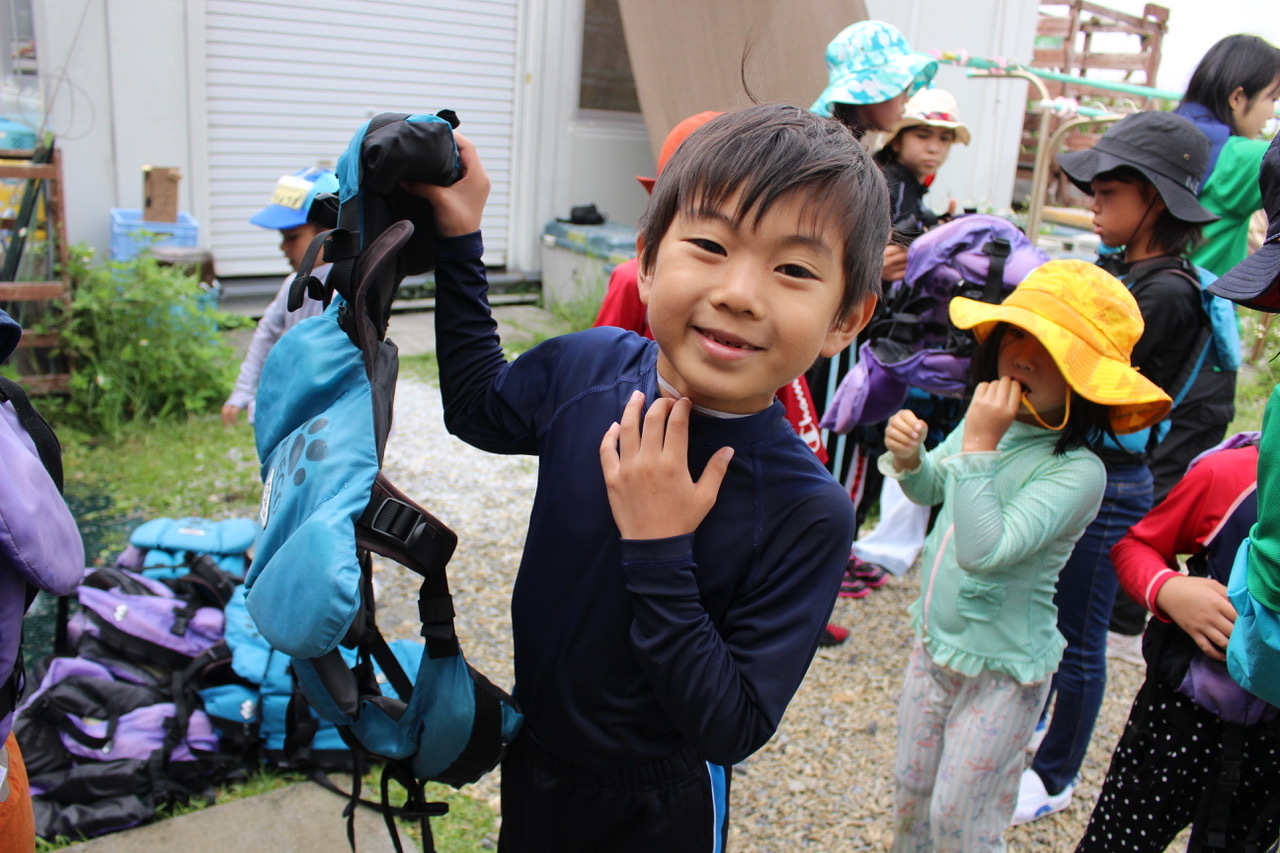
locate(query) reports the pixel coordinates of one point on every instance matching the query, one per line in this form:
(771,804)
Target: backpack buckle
(397,520)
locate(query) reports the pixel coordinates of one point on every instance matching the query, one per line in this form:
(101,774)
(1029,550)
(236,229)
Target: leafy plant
(145,341)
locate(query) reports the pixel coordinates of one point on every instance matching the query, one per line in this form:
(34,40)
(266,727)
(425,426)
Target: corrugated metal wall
(289,81)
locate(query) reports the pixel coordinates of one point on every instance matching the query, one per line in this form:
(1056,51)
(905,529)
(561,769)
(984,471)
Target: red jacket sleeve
(1183,523)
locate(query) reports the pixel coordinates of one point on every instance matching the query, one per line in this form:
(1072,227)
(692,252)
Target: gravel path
(824,781)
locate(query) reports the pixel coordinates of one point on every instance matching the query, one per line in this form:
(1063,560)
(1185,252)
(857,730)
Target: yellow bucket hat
(1089,323)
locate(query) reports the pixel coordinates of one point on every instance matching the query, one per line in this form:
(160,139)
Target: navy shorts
(675,804)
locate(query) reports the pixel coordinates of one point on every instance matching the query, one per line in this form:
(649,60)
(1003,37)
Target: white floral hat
(935,108)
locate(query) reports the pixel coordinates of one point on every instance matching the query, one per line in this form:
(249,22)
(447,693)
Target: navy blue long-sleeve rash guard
(627,650)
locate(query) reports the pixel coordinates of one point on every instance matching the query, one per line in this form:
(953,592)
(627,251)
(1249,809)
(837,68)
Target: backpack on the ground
(115,731)
(324,412)
(910,341)
(251,697)
(164,547)
(105,752)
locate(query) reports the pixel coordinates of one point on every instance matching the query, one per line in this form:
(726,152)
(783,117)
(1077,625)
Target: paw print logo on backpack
(307,445)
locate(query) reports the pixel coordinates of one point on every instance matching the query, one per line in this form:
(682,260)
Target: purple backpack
(143,619)
(910,341)
(104,753)
(40,545)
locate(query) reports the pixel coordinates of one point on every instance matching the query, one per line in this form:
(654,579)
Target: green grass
(195,467)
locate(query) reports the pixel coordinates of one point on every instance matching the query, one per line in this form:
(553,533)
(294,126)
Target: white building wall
(115,84)
(196,84)
(981,173)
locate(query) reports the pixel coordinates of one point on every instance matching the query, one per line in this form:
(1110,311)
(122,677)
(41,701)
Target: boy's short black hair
(1086,422)
(1250,62)
(1169,234)
(769,152)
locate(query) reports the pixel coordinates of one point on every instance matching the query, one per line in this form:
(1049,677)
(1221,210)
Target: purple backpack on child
(40,545)
(910,341)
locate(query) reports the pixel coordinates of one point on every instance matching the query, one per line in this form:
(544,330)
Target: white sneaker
(1034,801)
(1125,647)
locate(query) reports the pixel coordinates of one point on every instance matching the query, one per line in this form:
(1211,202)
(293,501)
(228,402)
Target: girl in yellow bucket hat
(1018,483)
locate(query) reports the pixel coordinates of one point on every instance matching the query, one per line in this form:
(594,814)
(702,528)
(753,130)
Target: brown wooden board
(689,57)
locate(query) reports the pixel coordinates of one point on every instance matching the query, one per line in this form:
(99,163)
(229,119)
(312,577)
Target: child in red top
(1197,749)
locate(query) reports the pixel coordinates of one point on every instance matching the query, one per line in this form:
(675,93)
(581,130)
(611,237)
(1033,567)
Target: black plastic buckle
(397,520)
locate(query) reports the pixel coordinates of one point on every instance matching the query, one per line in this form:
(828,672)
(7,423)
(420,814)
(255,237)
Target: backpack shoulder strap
(37,427)
(998,250)
(1200,349)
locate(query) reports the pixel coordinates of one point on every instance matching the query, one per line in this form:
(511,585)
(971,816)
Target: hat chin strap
(1066,413)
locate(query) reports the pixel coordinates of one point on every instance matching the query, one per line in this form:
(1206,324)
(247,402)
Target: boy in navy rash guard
(684,545)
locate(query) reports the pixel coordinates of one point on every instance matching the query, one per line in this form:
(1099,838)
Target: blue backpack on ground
(163,547)
(324,412)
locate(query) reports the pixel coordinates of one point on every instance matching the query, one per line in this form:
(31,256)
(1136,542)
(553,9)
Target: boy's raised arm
(468,349)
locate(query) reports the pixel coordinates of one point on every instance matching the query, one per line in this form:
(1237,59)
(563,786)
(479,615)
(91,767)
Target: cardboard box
(160,193)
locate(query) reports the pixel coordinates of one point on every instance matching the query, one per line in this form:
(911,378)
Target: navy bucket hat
(1167,149)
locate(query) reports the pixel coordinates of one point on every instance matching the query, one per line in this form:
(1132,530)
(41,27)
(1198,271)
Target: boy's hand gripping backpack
(324,411)
(911,342)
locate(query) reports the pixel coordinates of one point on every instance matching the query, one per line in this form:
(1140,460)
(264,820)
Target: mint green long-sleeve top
(1008,522)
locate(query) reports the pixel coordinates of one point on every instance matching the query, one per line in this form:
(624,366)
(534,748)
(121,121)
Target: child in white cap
(919,144)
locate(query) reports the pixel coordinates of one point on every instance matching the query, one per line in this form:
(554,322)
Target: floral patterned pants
(960,756)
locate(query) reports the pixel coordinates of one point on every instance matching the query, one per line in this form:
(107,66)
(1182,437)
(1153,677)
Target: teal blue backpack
(1218,345)
(323,413)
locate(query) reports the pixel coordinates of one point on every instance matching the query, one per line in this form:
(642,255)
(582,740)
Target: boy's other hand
(230,414)
(903,437)
(1201,608)
(991,411)
(646,471)
(458,207)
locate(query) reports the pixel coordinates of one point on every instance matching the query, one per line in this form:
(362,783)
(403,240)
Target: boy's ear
(846,329)
(644,281)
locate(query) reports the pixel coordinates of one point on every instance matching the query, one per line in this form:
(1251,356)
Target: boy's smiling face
(738,311)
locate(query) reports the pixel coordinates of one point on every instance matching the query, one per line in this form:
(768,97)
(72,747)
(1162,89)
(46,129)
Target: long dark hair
(1250,62)
(1088,420)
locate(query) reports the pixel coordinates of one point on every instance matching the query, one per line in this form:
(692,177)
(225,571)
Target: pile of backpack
(163,689)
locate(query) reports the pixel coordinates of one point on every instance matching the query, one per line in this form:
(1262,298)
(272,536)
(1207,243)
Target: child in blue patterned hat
(871,71)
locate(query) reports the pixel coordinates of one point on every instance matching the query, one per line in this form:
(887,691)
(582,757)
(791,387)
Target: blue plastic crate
(129,234)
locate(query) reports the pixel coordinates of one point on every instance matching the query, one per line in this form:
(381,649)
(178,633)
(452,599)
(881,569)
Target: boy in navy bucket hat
(302,205)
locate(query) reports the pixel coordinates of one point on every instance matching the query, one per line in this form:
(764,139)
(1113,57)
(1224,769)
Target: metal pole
(1009,67)
(1046,149)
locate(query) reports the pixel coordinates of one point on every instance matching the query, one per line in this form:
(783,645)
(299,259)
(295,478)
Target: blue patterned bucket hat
(870,62)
